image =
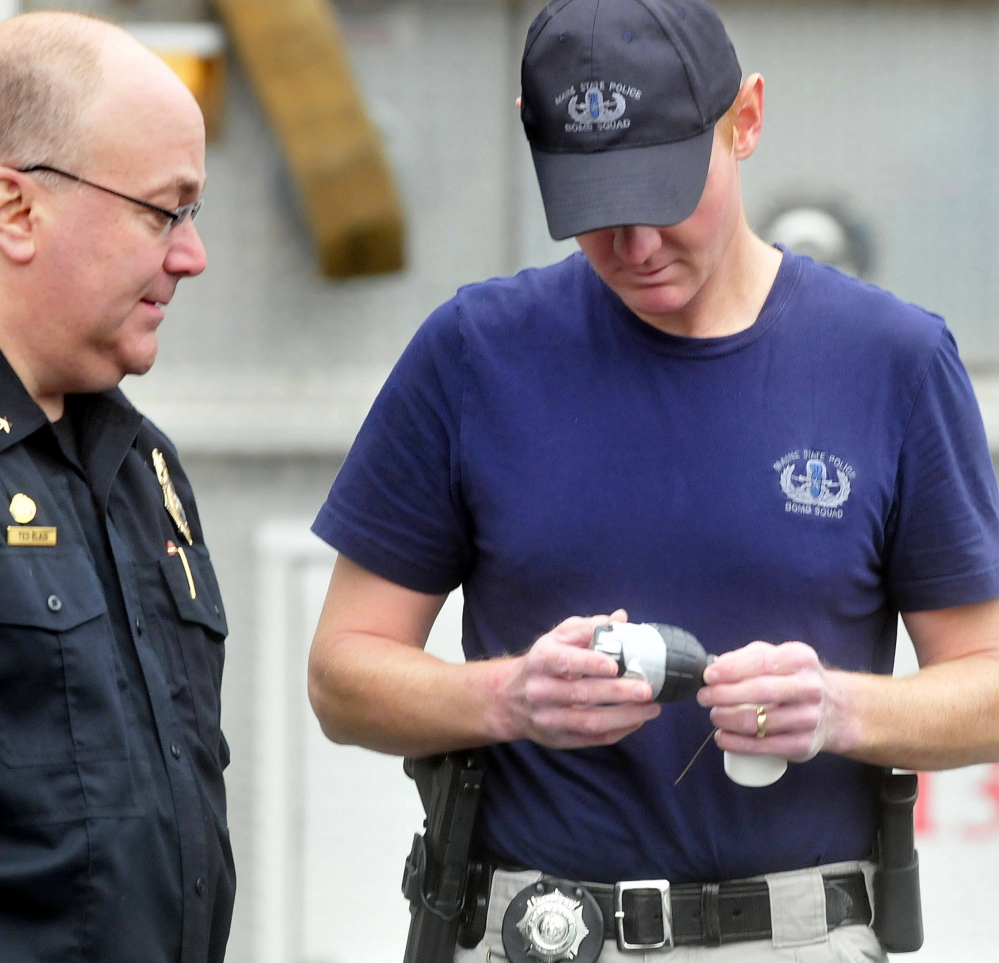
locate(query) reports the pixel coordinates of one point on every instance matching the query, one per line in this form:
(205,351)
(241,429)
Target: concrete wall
(891,109)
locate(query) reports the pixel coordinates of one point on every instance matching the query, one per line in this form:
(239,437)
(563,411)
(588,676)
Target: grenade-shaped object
(670,659)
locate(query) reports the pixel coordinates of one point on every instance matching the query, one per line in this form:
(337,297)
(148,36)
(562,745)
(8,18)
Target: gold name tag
(30,535)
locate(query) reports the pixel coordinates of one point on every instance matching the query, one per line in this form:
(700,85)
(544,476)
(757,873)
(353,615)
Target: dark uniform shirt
(113,839)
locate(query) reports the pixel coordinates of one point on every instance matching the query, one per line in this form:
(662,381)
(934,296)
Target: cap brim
(659,185)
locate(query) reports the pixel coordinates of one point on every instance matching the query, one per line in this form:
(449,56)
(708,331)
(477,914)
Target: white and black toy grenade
(672,661)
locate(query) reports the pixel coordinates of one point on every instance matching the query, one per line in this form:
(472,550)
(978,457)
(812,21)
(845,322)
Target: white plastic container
(754,771)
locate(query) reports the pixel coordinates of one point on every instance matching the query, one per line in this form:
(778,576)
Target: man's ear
(17,225)
(748,120)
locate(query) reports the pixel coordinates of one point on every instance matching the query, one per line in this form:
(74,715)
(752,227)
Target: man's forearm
(941,717)
(386,695)
(372,684)
(401,700)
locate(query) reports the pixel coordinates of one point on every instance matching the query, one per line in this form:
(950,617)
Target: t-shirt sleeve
(944,543)
(395,507)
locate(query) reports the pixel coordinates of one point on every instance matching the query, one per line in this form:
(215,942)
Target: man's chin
(659,303)
(135,367)
(141,368)
(139,362)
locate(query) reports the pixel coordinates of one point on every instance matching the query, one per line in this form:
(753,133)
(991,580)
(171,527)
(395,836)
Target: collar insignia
(5,425)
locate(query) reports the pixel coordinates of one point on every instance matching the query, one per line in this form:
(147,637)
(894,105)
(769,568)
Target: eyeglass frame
(176,217)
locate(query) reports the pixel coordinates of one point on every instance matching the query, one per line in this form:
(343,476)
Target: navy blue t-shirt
(806,478)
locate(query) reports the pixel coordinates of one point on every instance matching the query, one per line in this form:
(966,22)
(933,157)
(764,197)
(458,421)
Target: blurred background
(365,160)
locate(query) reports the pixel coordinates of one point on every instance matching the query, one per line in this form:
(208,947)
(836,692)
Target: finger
(578,630)
(587,691)
(558,659)
(795,747)
(776,720)
(760,658)
(565,650)
(804,689)
(746,720)
(591,727)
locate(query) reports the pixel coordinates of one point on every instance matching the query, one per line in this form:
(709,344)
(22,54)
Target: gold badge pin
(5,425)
(170,499)
(22,509)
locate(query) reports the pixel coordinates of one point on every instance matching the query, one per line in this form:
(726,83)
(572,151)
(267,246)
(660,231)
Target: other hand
(774,699)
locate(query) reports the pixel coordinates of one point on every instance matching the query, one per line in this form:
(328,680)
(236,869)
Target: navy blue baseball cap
(619,100)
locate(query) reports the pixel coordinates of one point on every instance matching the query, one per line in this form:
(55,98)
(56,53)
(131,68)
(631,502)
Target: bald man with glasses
(113,838)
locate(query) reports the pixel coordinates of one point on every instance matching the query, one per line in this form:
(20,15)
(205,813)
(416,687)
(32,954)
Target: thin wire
(694,759)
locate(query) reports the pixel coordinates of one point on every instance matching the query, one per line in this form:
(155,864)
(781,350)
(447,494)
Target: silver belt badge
(553,921)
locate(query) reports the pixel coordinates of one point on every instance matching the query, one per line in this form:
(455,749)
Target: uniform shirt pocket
(201,629)
(59,698)
(63,749)
(195,591)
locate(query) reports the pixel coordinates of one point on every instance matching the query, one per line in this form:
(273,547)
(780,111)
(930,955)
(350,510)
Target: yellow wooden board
(205,78)
(295,56)
(196,52)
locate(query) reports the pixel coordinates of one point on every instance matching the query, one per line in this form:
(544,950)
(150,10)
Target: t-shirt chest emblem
(814,482)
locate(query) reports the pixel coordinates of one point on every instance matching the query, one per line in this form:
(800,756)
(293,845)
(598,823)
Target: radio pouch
(898,915)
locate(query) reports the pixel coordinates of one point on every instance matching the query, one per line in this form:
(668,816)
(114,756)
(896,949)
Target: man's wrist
(499,720)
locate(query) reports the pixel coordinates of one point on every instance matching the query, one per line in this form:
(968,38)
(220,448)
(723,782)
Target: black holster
(438,870)
(898,914)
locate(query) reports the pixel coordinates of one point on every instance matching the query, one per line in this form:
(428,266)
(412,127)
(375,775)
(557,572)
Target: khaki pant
(798,915)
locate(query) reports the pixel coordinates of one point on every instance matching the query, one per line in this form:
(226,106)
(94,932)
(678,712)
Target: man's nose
(186,255)
(636,243)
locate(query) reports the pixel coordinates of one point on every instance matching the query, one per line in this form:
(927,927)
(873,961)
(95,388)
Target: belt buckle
(662,885)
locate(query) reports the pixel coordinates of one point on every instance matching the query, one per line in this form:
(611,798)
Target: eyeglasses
(174,218)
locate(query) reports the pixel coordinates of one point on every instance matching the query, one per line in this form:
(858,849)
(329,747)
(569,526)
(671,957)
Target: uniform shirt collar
(20,414)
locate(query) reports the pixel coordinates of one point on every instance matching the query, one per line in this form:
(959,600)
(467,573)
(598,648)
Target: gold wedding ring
(761,722)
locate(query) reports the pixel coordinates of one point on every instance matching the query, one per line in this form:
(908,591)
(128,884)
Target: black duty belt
(712,913)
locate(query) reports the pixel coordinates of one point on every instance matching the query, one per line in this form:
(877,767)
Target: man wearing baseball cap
(680,425)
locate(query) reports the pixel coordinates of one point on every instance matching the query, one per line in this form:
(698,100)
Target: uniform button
(54,603)
(138,626)
(175,750)
(199,886)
